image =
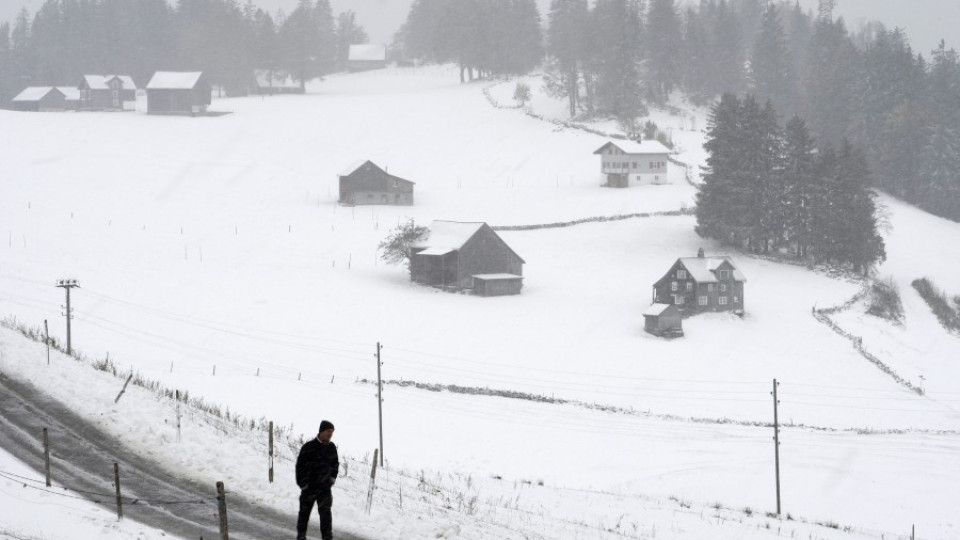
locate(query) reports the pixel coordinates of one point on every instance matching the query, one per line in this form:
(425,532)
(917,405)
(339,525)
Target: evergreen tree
(300,39)
(801,187)
(266,48)
(616,64)
(939,169)
(566,47)
(663,42)
(829,80)
(348,33)
(727,52)
(771,68)
(696,58)
(717,202)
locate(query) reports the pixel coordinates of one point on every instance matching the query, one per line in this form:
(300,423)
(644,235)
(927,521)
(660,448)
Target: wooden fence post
(46,455)
(116,480)
(373,477)
(222,511)
(124,389)
(271,452)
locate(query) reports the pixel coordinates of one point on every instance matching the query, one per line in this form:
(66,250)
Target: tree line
(66,39)
(776,189)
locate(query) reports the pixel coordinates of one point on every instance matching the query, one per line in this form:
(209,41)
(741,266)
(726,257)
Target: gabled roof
(271,78)
(35,93)
(352,168)
(369,52)
(174,80)
(634,148)
(99,82)
(450,235)
(703,269)
(69,92)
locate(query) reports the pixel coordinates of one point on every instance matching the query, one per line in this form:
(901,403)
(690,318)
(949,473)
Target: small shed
(663,320)
(629,163)
(40,99)
(272,81)
(178,92)
(367,56)
(363,182)
(453,254)
(497,284)
(107,92)
(71,97)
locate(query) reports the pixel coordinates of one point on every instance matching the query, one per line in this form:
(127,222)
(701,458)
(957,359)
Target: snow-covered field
(212,256)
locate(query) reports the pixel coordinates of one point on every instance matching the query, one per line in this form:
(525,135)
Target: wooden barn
(367,56)
(458,255)
(364,183)
(628,163)
(107,93)
(270,81)
(175,92)
(71,97)
(40,99)
(663,320)
(697,284)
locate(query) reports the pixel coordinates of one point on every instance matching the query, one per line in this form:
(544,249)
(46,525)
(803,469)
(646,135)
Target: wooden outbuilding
(697,284)
(454,255)
(365,183)
(367,56)
(663,320)
(107,93)
(40,99)
(177,92)
(628,163)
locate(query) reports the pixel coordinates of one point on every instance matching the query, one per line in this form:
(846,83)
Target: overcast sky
(925,21)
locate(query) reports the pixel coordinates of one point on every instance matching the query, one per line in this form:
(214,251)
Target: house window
(673,285)
(736,299)
(709,287)
(116,94)
(634,164)
(689,286)
(702,300)
(681,274)
(723,287)
(724,274)
(678,300)
(723,300)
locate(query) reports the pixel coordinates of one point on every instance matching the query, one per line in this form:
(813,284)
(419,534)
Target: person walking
(317,469)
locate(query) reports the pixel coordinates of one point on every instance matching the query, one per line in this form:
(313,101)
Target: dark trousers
(324,500)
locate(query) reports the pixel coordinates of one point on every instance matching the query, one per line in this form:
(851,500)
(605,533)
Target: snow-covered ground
(212,256)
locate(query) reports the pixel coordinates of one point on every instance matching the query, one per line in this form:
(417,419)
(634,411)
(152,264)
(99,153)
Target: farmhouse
(696,284)
(173,92)
(40,99)
(628,163)
(663,320)
(107,92)
(270,82)
(367,56)
(364,183)
(460,255)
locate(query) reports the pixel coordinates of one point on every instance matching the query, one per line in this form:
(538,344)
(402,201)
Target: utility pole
(776,441)
(68,284)
(380,402)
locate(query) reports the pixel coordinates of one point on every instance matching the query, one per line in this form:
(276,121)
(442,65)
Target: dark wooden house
(40,99)
(107,93)
(697,284)
(663,320)
(367,56)
(174,92)
(460,255)
(365,183)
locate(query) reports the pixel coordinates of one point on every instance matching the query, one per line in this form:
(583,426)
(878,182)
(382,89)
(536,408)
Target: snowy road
(82,458)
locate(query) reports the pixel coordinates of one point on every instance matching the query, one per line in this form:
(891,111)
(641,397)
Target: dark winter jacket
(317,466)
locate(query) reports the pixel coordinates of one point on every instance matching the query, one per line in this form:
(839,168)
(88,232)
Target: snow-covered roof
(496,277)
(99,82)
(702,268)
(631,147)
(71,93)
(174,80)
(369,52)
(435,251)
(656,310)
(34,93)
(268,78)
(449,234)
